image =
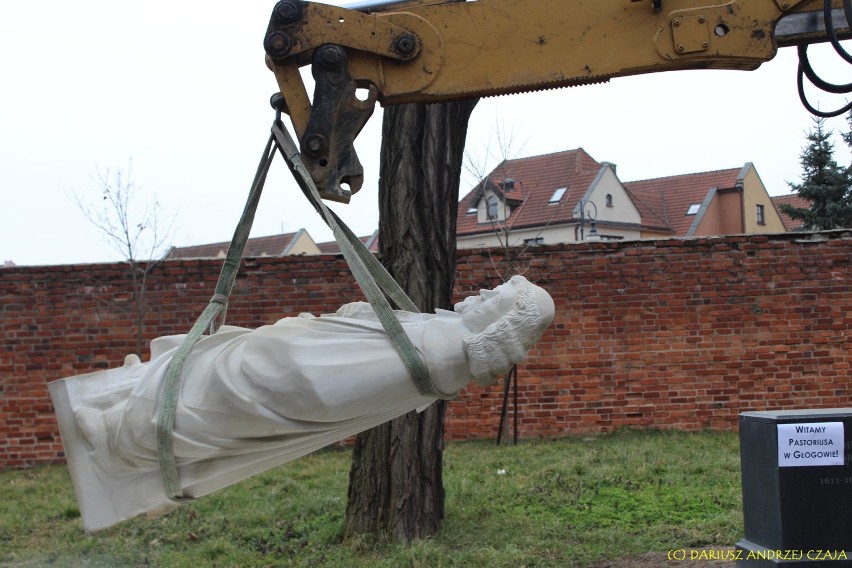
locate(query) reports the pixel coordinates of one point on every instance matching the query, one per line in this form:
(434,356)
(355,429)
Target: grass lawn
(572,502)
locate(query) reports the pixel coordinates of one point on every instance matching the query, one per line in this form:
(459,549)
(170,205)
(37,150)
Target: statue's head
(506,322)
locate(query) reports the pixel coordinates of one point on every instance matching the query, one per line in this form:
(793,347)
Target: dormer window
(493,207)
(557,195)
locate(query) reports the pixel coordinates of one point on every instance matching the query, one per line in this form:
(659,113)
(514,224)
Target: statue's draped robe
(249,401)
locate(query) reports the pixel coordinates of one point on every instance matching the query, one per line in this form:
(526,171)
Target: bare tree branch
(503,228)
(135,232)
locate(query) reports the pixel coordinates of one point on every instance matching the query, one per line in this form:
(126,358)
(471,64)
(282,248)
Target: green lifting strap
(368,271)
(375,282)
(217,305)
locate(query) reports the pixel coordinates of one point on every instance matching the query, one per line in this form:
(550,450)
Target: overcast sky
(181,89)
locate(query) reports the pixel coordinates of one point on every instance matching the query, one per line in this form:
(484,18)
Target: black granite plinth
(795,515)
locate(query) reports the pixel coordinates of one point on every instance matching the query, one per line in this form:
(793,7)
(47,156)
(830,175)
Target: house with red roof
(287,244)
(569,196)
(554,198)
(722,202)
(333,247)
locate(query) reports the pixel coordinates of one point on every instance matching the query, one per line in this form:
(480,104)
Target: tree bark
(395,484)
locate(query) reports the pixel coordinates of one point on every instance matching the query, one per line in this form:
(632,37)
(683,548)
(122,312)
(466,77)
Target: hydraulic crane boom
(433,51)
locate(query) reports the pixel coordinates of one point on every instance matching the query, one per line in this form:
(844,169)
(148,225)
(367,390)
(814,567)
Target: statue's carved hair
(506,341)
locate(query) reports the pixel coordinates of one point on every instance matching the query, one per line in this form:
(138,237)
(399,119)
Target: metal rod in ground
(505,407)
(504,412)
(514,372)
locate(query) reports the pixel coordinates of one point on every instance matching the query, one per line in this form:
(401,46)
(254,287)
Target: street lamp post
(592,214)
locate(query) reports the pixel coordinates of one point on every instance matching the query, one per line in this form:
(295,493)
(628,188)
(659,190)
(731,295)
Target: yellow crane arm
(432,51)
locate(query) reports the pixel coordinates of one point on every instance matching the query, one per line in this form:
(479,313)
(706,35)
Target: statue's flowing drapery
(253,399)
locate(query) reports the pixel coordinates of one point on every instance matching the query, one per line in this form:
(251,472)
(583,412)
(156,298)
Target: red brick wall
(668,334)
(59,321)
(680,334)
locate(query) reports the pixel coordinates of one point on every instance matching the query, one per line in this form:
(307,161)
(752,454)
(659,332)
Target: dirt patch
(685,558)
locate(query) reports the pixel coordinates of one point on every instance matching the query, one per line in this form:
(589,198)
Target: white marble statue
(251,400)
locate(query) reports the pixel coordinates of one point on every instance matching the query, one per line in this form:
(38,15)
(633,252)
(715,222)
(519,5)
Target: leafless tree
(132,224)
(501,147)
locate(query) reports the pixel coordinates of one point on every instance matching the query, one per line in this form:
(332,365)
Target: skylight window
(557,195)
(693,209)
(471,211)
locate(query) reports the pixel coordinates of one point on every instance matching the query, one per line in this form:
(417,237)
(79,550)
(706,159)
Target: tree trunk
(395,483)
